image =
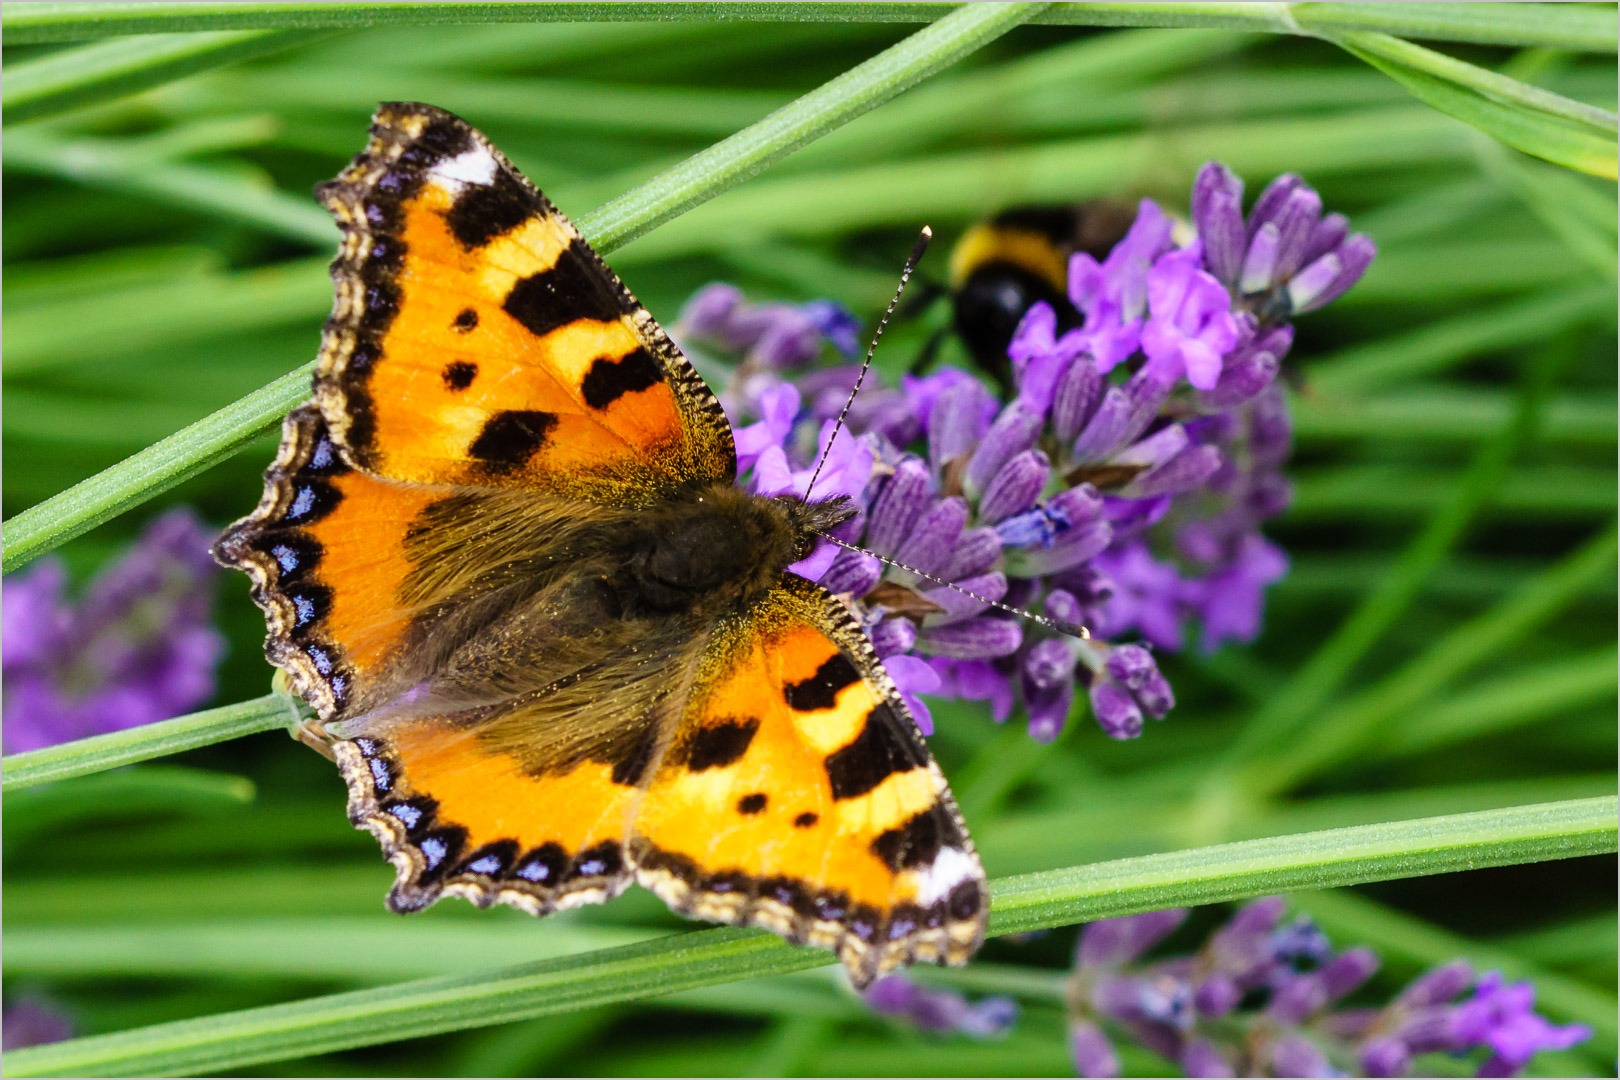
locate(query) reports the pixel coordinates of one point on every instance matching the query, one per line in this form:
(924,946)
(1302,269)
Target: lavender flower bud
(1092,1052)
(1184,472)
(1216,996)
(1015,487)
(935,536)
(958,605)
(1078,392)
(1201,1058)
(1354,256)
(1217,213)
(1271,201)
(1295,1055)
(983,638)
(1050,662)
(1135,669)
(892,637)
(1113,942)
(1241,379)
(1346,972)
(898,506)
(1013,432)
(1116,711)
(1295,224)
(1385,1057)
(1437,986)
(709,312)
(976,552)
(1260,265)
(958,421)
(1328,234)
(852,572)
(1103,433)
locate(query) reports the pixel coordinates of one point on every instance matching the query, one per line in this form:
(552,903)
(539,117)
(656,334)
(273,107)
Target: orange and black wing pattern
(477,340)
(798,795)
(457,818)
(326,551)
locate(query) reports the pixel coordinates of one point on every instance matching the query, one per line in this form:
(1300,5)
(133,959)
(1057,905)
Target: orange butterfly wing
(798,795)
(477,339)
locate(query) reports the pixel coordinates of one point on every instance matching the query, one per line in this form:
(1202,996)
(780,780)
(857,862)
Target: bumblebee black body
(1018,257)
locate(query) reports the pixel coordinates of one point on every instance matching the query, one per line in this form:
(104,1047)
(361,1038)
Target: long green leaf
(123,66)
(708,957)
(143,743)
(1527,119)
(1554,26)
(701,177)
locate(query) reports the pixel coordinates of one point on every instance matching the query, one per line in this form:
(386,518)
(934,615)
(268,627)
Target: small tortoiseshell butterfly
(552,646)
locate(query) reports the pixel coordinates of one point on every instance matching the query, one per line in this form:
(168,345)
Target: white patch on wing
(950,868)
(474,167)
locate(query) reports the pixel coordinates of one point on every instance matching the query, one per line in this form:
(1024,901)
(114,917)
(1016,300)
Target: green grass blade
(1286,712)
(150,472)
(119,67)
(101,752)
(1553,26)
(1511,112)
(830,106)
(1345,730)
(701,177)
(121,796)
(708,957)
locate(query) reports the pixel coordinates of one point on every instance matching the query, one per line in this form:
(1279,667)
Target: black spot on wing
(491,860)
(603,860)
(542,866)
(439,141)
(465,320)
(751,804)
(806,819)
(511,437)
(484,211)
(609,380)
(459,374)
(719,744)
(629,769)
(880,750)
(574,288)
(917,841)
(820,691)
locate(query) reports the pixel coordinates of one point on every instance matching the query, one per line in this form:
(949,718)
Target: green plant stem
(829,106)
(701,177)
(150,472)
(119,67)
(707,957)
(1486,23)
(143,743)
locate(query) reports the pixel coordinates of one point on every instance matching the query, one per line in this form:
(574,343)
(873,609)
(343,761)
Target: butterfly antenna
(1061,626)
(916,255)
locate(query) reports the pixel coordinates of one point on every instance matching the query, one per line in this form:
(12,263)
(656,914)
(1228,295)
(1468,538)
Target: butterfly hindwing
(798,795)
(477,339)
(457,819)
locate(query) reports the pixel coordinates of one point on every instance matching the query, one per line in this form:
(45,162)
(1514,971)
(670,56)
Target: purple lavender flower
(33,1021)
(1122,487)
(1264,998)
(940,1011)
(135,648)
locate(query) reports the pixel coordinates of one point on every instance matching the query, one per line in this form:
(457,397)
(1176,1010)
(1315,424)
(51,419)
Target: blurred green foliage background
(163,257)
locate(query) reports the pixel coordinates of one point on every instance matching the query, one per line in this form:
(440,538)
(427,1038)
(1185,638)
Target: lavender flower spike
(1265,1002)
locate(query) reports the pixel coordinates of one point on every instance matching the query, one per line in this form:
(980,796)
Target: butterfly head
(809,522)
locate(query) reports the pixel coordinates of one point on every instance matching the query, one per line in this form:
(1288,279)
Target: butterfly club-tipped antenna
(912,260)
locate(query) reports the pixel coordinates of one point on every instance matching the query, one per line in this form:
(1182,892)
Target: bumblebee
(1006,263)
